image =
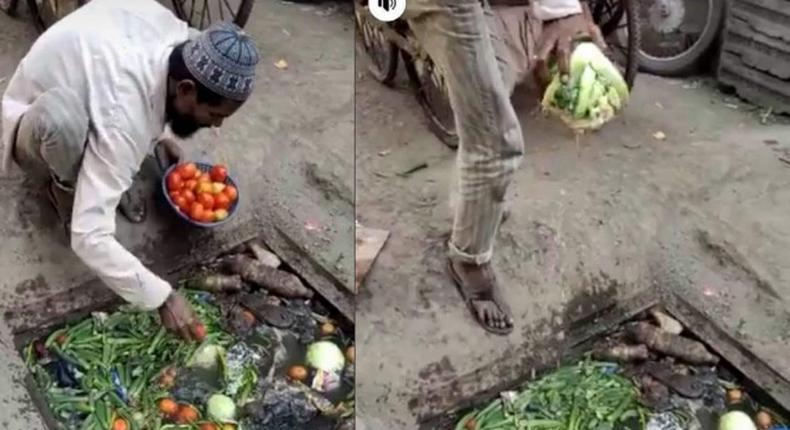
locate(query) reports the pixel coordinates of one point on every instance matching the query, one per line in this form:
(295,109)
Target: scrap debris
(281,64)
(369,242)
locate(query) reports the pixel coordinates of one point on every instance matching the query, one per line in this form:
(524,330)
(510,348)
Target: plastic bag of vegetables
(591,95)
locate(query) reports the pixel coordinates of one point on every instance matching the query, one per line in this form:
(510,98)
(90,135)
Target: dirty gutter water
(284,349)
(761,387)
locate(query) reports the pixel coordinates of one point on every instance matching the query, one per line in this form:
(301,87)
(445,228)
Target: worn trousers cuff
(463,257)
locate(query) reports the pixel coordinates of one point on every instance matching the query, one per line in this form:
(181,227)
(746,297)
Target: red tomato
(174,195)
(191,184)
(182,203)
(218,173)
(207,200)
(221,201)
(199,331)
(188,195)
(189,170)
(208,216)
(231,192)
(174,181)
(196,211)
(205,177)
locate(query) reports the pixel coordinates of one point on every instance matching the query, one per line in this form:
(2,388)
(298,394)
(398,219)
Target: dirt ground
(702,213)
(288,147)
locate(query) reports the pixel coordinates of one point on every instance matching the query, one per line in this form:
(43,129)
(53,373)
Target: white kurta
(547,10)
(114,55)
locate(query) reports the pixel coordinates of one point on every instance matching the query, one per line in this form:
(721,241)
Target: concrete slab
(702,212)
(290,148)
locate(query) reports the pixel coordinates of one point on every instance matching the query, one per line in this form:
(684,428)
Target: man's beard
(183,126)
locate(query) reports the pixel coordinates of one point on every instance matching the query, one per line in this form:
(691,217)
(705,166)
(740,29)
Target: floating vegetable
(217,283)
(207,426)
(187,414)
(623,353)
(221,408)
(199,331)
(736,420)
(351,354)
(734,395)
(120,424)
(688,350)
(325,356)
(764,420)
(297,373)
(208,357)
(327,329)
(593,93)
(248,317)
(168,407)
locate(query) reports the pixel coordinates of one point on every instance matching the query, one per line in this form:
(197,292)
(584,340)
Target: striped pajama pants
(51,137)
(457,36)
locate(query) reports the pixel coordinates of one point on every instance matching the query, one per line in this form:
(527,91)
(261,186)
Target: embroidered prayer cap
(223,59)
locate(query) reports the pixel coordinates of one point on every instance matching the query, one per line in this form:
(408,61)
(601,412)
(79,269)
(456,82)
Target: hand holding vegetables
(556,43)
(178,318)
(592,93)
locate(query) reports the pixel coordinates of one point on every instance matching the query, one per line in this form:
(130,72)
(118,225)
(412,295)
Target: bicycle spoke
(203,14)
(208,12)
(230,8)
(221,14)
(192,12)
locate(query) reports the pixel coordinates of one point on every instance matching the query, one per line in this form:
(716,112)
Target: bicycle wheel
(201,14)
(382,52)
(620,24)
(676,34)
(431,91)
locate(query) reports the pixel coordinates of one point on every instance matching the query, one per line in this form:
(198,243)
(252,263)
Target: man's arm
(547,10)
(102,180)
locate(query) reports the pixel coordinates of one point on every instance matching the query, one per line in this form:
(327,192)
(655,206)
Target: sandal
(491,295)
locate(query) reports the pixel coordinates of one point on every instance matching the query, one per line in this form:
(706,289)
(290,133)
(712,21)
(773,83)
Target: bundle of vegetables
(591,94)
(589,395)
(115,371)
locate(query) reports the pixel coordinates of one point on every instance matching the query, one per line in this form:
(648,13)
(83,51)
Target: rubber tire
(688,61)
(35,13)
(385,74)
(242,14)
(448,136)
(634,40)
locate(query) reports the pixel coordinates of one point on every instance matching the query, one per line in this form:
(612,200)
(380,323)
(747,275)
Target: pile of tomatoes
(202,196)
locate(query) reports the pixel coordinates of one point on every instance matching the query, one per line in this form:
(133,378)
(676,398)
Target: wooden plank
(369,242)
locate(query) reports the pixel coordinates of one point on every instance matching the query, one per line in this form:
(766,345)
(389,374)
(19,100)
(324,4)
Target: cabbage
(325,356)
(221,408)
(593,93)
(208,357)
(736,420)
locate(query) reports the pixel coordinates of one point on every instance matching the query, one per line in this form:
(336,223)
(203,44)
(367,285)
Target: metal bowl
(203,167)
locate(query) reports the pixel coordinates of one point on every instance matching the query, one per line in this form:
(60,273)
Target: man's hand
(177,316)
(168,152)
(556,42)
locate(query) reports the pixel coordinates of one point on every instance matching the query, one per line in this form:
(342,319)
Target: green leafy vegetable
(593,93)
(585,396)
